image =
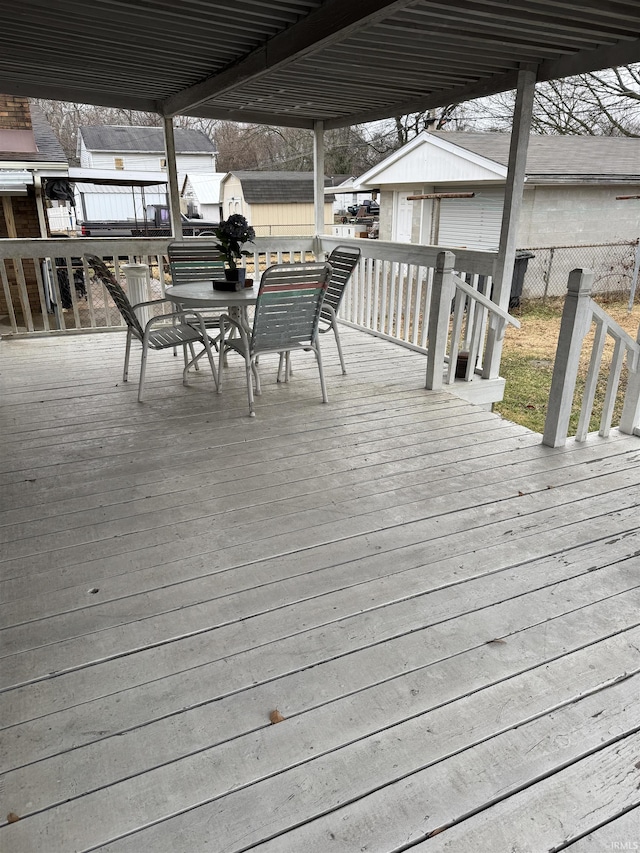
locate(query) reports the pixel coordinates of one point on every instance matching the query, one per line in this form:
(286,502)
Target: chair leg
(334,324)
(222,355)
(193,357)
(127,353)
(209,351)
(323,386)
(250,373)
(143,370)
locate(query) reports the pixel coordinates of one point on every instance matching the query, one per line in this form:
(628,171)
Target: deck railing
(46,286)
(417,296)
(427,300)
(579,315)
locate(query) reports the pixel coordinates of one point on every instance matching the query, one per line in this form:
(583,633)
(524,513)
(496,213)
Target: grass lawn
(527,363)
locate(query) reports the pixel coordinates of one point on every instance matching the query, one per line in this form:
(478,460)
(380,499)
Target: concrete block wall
(565,216)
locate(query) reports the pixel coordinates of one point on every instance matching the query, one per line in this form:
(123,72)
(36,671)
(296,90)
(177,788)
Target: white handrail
(481,299)
(580,312)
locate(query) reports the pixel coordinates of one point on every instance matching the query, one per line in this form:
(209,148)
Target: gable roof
(447,157)
(205,186)
(277,187)
(554,159)
(147,140)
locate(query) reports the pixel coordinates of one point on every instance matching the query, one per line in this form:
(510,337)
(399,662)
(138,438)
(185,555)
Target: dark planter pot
(461,364)
(236,275)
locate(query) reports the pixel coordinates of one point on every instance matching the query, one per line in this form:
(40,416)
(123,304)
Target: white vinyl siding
(472,223)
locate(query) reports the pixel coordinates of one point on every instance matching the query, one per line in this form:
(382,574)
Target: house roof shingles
(278,187)
(556,159)
(143,139)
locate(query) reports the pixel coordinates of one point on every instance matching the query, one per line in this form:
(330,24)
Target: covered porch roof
(296,62)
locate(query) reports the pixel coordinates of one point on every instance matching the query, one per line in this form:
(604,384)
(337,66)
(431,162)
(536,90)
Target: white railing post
(576,319)
(630,417)
(441,296)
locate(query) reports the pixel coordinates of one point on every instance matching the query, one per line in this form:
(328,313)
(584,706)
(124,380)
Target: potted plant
(231,234)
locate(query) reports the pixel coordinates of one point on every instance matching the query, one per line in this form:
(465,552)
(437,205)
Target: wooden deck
(445,613)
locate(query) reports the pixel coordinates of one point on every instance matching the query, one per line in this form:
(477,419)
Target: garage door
(472,223)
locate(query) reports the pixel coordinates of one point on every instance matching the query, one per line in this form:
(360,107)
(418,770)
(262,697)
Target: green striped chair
(343,261)
(196,259)
(286,317)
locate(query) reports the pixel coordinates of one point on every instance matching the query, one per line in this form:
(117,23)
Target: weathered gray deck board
(621,833)
(445,612)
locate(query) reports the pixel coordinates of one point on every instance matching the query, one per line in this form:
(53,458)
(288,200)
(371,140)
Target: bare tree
(409,126)
(604,103)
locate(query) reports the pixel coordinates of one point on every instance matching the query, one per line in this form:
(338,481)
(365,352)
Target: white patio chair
(179,328)
(343,260)
(192,260)
(286,317)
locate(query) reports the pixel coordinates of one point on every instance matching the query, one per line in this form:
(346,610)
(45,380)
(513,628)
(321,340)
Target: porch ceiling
(291,62)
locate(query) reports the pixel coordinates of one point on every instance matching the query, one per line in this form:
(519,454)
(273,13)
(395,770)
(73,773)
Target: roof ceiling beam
(525,13)
(333,21)
(499,83)
(594,60)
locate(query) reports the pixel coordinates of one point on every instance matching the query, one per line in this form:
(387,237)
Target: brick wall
(26,218)
(14,112)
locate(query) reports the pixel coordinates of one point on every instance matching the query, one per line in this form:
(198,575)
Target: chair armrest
(225,318)
(178,315)
(153,302)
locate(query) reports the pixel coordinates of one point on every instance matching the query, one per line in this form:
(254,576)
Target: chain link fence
(615,268)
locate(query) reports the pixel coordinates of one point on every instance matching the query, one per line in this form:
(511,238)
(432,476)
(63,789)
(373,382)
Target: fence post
(442,291)
(576,319)
(634,277)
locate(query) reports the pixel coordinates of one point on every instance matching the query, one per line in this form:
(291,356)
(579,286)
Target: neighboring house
(200,196)
(274,203)
(569,197)
(32,167)
(142,149)
(123,149)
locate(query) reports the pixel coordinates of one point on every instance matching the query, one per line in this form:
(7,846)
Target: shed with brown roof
(274,203)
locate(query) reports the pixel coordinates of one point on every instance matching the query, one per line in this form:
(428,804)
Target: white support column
(318,176)
(138,287)
(576,319)
(7,209)
(511,212)
(442,292)
(42,216)
(172,174)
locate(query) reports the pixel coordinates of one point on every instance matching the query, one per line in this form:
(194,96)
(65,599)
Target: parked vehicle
(156,224)
(372,208)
